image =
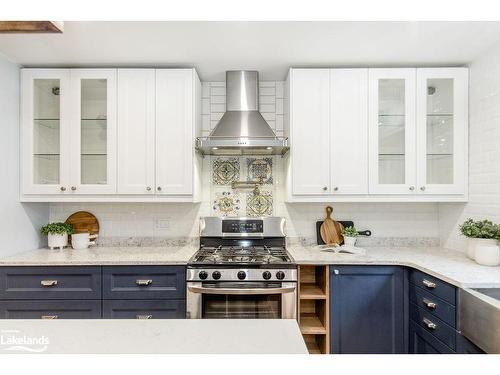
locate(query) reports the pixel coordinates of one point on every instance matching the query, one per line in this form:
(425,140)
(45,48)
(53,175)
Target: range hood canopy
(242,130)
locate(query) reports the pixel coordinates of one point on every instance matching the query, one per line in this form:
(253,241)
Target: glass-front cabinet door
(93,139)
(45,128)
(442,102)
(392,131)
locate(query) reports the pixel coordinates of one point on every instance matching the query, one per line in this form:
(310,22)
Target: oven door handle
(199,289)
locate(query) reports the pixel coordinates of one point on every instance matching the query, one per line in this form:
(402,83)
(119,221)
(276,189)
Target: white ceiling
(269,47)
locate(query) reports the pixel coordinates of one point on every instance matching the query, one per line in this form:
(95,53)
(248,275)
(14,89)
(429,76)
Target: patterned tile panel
(260,168)
(260,204)
(225,171)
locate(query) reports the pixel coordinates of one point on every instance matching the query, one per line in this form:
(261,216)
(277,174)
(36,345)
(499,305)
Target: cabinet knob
(429,304)
(429,323)
(63,188)
(412,188)
(325,188)
(422,188)
(73,188)
(143,282)
(144,316)
(49,317)
(148,188)
(336,188)
(48,283)
(336,272)
(158,188)
(428,284)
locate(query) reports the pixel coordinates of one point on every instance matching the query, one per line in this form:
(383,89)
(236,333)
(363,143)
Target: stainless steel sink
(479,318)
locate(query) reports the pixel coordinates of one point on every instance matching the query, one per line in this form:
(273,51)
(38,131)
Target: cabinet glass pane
(46,131)
(439,137)
(391,131)
(93,131)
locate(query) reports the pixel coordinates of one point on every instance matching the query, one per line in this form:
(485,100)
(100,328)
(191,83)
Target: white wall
(20,223)
(484,151)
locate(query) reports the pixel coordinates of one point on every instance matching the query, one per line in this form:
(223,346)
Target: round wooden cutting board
(83,222)
(331,230)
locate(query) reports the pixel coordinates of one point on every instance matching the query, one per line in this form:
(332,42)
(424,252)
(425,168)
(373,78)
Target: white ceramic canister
(81,241)
(487,252)
(57,241)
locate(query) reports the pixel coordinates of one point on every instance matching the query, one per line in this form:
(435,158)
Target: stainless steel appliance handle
(199,289)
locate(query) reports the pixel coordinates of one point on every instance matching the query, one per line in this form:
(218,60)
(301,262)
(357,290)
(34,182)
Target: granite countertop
(99,256)
(161,336)
(448,265)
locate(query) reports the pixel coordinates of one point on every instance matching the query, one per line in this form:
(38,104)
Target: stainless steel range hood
(242,130)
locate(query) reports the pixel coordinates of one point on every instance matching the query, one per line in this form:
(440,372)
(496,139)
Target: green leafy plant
(480,229)
(57,228)
(350,232)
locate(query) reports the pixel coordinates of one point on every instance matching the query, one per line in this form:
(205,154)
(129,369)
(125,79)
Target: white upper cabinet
(309,131)
(45,131)
(349,131)
(442,102)
(392,131)
(136,131)
(176,129)
(93,136)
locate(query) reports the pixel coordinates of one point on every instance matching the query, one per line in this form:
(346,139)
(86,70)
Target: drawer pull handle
(49,317)
(48,282)
(143,316)
(144,282)
(429,284)
(429,304)
(429,324)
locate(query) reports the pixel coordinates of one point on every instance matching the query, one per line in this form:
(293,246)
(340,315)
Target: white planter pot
(349,241)
(471,248)
(487,252)
(57,241)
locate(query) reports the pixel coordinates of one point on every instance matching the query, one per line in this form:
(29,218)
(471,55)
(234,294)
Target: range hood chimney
(242,130)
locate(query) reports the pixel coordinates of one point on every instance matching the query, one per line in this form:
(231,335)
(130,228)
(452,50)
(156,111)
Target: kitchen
(313,204)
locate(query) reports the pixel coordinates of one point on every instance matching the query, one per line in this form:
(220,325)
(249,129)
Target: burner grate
(242,255)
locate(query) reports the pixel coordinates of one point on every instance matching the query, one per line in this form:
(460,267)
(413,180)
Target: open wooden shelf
(313,308)
(311,291)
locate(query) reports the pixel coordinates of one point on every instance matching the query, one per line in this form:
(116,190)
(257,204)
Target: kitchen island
(169,336)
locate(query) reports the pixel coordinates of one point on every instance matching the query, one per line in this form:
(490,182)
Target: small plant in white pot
(57,234)
(350,234)
(483,240)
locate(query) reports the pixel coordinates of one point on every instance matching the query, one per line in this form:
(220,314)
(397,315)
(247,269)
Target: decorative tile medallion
(225,171)
(226,203)
(260,204)
(260,168)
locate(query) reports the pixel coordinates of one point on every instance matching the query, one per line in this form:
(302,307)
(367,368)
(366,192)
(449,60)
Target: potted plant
(479,233)
(57,234)
(350,234)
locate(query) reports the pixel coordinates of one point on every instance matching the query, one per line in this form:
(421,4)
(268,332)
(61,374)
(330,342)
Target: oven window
(221,306)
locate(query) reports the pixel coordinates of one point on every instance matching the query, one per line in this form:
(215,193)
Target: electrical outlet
(162,224)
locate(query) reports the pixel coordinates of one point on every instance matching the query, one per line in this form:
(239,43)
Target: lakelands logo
(14,340)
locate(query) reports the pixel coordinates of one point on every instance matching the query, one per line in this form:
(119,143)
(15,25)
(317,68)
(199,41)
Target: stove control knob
(280,275)
(203,275)
(216,275)
(266,275)
(242,275)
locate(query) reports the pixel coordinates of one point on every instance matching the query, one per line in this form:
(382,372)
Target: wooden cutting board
(83,222)
(331,230)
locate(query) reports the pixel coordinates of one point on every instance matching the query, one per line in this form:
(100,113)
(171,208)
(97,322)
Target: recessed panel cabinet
(110,134)
(397,134)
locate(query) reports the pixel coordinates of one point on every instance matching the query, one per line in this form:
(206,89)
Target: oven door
(241,300)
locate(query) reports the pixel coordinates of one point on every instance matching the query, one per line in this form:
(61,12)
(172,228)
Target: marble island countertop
(161,336)
(448,265)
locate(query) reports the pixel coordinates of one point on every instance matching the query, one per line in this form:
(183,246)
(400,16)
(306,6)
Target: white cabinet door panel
(174,131)
(310,131)
(442,103)
(349,131)
(136,131)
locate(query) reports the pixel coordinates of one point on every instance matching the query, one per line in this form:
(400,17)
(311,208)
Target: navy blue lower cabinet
(422,342)
(367,309)
(51,309)
(144,309)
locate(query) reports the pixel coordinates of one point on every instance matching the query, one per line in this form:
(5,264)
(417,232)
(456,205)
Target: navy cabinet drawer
(435,286)
(441,330)
(144,309)
(433,304)
(144,282)
(422,342)
(50,283)
(60,309)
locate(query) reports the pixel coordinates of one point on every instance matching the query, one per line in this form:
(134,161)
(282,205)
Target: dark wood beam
(29,27)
